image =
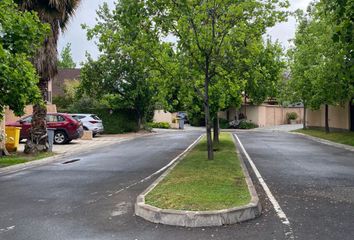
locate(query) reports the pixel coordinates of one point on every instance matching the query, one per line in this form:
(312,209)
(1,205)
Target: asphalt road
(93,198)
(313,182)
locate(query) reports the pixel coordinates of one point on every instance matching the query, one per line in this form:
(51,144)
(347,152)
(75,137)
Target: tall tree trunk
(3,150)
(38,139)
(216,129)
(326,119)
(305,115)
(208,132)
(245,106)
(140,121)
(207,111)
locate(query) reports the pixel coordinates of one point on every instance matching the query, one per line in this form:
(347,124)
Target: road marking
(283,218)
(160,170)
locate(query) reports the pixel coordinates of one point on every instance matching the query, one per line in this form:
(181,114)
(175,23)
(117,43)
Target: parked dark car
(66,127)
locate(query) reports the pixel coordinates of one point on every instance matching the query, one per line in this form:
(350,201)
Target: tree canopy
(316,62)
(66,59)
(21,33)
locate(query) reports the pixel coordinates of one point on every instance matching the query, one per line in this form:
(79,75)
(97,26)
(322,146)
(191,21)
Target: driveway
(313,182)
(93,198)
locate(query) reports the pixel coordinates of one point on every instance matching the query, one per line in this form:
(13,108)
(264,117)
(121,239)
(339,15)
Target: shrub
(247,125)
(164,125)
(291,116)
(117,120)
(224,124)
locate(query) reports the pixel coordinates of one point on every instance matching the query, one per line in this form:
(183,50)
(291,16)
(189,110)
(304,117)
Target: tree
(122,69)
(66,60)
(316,59)
(57,14)
(210,35)
(341,15)
(21,33)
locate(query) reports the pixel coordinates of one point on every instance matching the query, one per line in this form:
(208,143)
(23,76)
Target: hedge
(117,120)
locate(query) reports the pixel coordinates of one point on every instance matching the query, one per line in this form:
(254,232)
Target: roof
(63,75)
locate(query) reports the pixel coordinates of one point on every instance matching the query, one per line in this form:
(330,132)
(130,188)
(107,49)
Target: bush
(247,125)
(223,123)
(291,116)
(117,120)
(164,125)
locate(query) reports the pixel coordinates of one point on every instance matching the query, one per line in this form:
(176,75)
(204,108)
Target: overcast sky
(87,14)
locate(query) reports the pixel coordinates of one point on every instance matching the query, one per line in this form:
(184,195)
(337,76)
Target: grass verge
(338,137)
(197,184)
(18,158)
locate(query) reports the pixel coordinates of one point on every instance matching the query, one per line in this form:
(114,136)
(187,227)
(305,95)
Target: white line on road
(160,170)
(283,218)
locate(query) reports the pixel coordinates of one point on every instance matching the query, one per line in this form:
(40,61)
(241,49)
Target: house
(11,117)
(266,114)
(64,76)
(340,117)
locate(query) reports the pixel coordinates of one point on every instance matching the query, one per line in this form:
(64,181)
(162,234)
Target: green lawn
(197,184)
(18,158)
(338,137)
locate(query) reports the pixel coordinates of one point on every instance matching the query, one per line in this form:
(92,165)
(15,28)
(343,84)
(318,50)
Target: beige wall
(162,116)
(266,115)
(11,117)
(165,116)
(2,132)
(338,117)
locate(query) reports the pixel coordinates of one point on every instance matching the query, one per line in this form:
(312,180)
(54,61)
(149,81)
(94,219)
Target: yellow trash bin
(12,138)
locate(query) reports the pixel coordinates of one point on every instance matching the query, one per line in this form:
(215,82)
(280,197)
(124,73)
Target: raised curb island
(199,218)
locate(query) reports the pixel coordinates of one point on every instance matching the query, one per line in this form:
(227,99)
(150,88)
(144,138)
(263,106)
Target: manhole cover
(71,161)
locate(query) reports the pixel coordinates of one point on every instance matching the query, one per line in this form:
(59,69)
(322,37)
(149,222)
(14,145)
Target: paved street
(93,198)
(313,182)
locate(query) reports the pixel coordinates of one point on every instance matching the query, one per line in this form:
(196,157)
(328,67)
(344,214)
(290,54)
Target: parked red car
(66,127)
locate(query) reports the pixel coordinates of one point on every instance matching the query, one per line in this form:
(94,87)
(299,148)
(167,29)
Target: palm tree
(57,14)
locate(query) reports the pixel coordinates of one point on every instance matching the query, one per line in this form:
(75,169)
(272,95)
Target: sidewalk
(80,145)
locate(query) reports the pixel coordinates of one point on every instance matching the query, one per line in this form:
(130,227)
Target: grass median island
(197,184)
(338,137)
(18,158)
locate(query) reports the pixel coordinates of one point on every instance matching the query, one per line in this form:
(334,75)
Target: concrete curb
(58,157)
(199,218)
(324,141)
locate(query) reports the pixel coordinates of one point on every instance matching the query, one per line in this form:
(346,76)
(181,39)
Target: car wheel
(60,137)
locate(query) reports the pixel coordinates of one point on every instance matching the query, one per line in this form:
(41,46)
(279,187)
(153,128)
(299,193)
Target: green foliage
(224,123)
(291,116)
(164,125)
(66,59)
(315,62)
(263,68)
(69,101)
(339,137)
(21,33)
(122,69)
(116,120)
(247,125)
(341,15)
(196,184)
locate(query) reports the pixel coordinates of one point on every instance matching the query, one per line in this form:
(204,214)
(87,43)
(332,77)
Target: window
(95,117)
(60,118)
(27,119)
(51,118)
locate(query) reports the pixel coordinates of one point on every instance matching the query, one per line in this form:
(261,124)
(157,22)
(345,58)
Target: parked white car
(90,122)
